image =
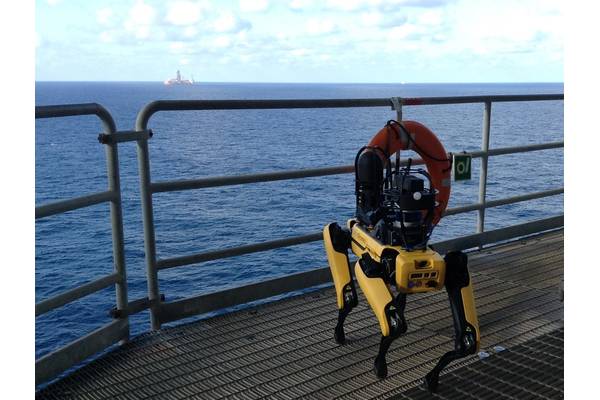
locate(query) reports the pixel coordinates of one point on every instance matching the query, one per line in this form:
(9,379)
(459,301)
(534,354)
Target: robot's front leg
(337,242)
(389,311)
(464,315)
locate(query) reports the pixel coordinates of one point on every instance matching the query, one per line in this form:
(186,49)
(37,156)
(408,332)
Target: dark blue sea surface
(75,247)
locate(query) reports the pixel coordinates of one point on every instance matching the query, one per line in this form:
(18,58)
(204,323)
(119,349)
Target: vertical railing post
(116,219)
(149,237)
(485,146)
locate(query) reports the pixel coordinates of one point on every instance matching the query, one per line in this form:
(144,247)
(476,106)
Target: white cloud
(228,22)
(346,5)
(316,26)
(431,17)
(373,18)
(403,32)
(104,16)
(106,37)
(253,5)
(186,12)
(299,52)
(142,13)
(382,5)
(184,61)
(140,19)
(53,2)
(300,5)
(190,32)
(177,47)
(222,41)
(508,27)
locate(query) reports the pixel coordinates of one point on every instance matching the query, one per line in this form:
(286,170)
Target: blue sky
(300,40)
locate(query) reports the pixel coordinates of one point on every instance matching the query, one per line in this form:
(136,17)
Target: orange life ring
(391,139)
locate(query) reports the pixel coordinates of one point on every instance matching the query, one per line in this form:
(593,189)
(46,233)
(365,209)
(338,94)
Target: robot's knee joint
(466,345)
(397,324)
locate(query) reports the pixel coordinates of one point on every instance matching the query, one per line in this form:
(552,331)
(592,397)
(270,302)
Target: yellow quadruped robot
(396,210)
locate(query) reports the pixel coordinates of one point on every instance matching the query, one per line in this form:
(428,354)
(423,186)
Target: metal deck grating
(532,370)
(286,350)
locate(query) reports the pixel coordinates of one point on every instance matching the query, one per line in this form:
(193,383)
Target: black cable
(450,160)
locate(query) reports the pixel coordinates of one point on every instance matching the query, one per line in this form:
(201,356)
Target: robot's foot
(339,335)
(380,367)
(431,382)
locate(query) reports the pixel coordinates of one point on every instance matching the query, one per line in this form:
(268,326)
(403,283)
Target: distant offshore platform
(179,81)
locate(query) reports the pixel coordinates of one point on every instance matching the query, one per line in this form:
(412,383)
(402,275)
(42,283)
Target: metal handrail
(152,108)
(159,311)
(52,364)
(230,180)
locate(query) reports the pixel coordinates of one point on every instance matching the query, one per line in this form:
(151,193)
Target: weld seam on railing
(52,364)
(313,237)
(216,181)
(75,203)
(71,295)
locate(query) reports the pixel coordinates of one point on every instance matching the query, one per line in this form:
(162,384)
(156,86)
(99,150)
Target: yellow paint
(469,306)
(408,263)
(339,266)
(378,295)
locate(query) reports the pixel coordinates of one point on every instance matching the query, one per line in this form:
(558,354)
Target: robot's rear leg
(337,242)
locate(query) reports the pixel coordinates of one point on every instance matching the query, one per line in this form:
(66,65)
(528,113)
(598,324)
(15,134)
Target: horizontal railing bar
(51,365)
(313,237)
(237,251)
(205,303)
(216,181)
(419,101)
(504,201)
(71,295)
(187,184)
(524,197)
(516,149)
(463,209)
(197,105)
(498,235)
(168,312)
(71,110)
(62,206)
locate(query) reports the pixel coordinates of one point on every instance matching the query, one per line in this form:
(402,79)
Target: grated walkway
(285,349)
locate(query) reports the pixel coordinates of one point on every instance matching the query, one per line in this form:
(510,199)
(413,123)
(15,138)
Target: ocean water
(75,247)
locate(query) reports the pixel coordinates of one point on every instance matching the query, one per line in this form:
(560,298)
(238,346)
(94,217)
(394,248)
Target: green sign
(461,167)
